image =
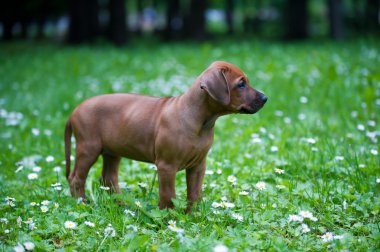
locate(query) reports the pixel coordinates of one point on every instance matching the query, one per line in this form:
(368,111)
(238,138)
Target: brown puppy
(174,133)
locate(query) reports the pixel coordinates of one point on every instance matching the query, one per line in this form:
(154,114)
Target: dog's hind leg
(110,172)
(86,155)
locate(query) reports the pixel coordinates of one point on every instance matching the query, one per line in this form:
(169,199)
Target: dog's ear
(215,83)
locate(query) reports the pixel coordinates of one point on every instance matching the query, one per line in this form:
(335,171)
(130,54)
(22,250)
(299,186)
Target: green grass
(341,82)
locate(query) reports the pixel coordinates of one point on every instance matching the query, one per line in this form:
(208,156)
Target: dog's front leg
(194,181)
(166,185)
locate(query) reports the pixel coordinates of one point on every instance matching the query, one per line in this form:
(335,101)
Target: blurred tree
(336,18)
(229,11)
(174,21)
(297,16)
(83,26)
(118,22)
(372,15)
(195,21)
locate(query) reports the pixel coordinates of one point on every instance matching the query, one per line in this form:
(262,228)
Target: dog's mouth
(245,109)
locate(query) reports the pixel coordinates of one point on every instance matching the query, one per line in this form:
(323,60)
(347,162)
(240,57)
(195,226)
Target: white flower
(378,180)
(56,205)
(172,223)
(339,158)
(105,188)
(133,227)
(374,152)
(294,217)
(33,203)
(220,248)
(142,184)
(9,199)
(29,245)
(327,237)
(219,171)
(227,205)
(231,179)
(311,140)
(306,214)
(361,127)
(224,198)
(20,168)
(45,202)
(5,220)
(215,204)
(7,231)
(70,224)
(237,216)
(19,248)
(279,171)
(49,158)
(278,113)
(280,187)
(35,131)
(301,117)
(305,228)
(314,149)
(138,204)
(32,176)
(287,120)
(19,221)
(110,231)
(57,169)
(44,209)
(209,172)
(303,99)
(48,132)
(176,229)
(127,211)
(56,184)
(89,223)
(273,148)
(261,186)
(36,169)
(243,193)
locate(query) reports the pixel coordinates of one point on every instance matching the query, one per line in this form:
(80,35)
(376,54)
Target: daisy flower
(32,176)
(220,248)
(261,186)
(29,245)
(327,237)
(280,186)
(231,179)
(18,248)
(279,171)
(244,193)
(237,216)
(89,223)
(44,209)
(294,217)
(305,228)
(70,225)
(110,231)
(138,204)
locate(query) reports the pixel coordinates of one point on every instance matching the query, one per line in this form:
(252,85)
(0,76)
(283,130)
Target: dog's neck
(203,110)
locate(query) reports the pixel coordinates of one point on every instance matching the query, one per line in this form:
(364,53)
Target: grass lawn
(302,175)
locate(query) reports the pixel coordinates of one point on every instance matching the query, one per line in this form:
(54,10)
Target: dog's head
(228,85)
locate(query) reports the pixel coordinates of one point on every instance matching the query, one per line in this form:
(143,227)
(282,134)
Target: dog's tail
(68,132)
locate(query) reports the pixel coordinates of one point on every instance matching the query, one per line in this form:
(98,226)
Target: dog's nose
(264,98)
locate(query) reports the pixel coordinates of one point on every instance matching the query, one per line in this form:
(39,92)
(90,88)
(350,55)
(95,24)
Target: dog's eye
(241,85)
